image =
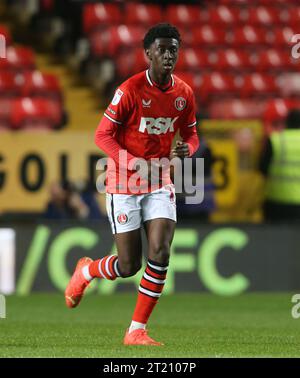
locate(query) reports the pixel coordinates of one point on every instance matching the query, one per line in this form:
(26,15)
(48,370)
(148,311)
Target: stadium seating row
(44,114)
(29,99)
(18,59)
(29,84)
(134,60)
(100,14)
(272,112)
(110,40)
(253,2)
(30,114)
(220,85)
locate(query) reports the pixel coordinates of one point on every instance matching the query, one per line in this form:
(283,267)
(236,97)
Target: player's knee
(128,269)
(161,253)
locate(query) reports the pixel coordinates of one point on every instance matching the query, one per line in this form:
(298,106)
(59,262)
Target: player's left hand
(180,150)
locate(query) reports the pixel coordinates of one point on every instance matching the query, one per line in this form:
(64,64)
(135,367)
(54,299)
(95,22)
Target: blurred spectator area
(29,98)
(236,54)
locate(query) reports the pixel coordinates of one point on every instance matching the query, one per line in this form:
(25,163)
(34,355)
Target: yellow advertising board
(224,171)
(30,162)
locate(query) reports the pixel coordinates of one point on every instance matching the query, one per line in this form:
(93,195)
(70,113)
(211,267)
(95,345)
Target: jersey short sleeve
(120,106)
(189,117)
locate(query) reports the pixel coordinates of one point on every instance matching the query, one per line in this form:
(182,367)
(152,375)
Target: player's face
(163,54)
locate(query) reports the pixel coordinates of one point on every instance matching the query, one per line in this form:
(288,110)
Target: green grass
(190,325)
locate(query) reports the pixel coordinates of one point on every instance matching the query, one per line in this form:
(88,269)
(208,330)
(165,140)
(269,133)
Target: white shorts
(127,212)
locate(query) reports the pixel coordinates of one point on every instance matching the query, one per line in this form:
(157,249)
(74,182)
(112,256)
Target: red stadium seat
(234,2)
(10,84)
(185,15)
(236,109)
(274,59)
(278,2)
(193,80)
(249,36)
(216,85)
(131,62)
(294,17)
(289,84)
(262,15)
(231,59)
(98,15)
(207,35)
(192,59)
(38,84)
(283,36)
(224,15)
(35,113)
(6,34)
(148,14)
(257,85)
(111,40)
(6,106)
(18,59)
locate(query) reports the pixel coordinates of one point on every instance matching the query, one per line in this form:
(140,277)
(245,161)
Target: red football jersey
(144,119)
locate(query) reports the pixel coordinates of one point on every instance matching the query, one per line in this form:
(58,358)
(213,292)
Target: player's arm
(113,118)
(188,132)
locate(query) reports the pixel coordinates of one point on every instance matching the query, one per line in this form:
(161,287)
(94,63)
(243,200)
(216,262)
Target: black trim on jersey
(112,212)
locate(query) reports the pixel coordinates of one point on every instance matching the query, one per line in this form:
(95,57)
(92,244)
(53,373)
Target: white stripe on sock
(86,273)
(106,265)
(116,268)
(136,325)
(156,267)
(148,292)
(100,270)
(155,280)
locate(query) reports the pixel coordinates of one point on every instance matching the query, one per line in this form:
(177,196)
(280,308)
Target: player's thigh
(124,212)
(160,204)
(160,233)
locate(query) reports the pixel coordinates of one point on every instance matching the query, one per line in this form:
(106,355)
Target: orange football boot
(77,284)
(139,337)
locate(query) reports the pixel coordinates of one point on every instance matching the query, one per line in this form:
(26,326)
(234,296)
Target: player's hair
(163,30)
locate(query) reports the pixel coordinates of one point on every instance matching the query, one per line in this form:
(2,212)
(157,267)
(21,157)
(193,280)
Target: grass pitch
(190,325)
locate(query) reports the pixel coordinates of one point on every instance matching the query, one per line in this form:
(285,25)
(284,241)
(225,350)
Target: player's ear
(148,53)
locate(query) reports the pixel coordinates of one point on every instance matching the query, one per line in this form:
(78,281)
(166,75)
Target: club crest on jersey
(122,218)
(180,103)
(117,97)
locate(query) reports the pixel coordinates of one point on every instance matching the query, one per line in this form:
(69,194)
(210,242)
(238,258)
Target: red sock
(150,290)
(107,267)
